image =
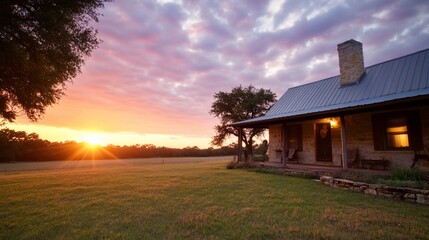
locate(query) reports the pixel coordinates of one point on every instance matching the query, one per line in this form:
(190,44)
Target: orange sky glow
(152,79)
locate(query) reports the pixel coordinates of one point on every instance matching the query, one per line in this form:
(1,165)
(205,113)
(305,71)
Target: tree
(42,44)
(238,105)
(14,143)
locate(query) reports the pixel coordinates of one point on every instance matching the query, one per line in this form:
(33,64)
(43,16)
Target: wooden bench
(372,164)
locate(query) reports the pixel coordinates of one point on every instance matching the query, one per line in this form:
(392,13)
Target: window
(294,137)
(397,131)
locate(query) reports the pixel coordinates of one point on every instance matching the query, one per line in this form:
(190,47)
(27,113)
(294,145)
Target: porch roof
(401,79)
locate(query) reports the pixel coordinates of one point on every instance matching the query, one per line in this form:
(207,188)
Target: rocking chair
(352,158)
(291,156)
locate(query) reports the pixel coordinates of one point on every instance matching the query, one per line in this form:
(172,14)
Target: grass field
(192,200)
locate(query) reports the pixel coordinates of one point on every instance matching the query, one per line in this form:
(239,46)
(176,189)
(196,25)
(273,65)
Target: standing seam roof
(406,76)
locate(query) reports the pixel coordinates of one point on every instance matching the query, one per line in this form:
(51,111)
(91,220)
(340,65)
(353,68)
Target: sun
(92,139)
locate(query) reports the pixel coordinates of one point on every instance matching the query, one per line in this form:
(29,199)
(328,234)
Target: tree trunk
(249,150)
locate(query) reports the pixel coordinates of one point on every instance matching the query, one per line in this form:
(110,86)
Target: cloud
(161,62)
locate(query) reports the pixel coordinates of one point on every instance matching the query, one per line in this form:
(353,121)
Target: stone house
(379,114)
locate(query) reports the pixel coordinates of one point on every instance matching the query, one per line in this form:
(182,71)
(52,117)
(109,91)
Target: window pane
(402,129)
(397,140)
(294,138)
(397,133)
(293,143)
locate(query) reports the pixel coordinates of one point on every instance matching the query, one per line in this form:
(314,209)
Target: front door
(323,142)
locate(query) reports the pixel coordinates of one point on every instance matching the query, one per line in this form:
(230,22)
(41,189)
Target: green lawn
(194,201)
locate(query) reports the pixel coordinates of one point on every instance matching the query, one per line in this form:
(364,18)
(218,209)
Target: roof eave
(336,111)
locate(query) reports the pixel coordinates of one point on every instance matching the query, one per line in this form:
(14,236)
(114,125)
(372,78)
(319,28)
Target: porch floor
(318,169)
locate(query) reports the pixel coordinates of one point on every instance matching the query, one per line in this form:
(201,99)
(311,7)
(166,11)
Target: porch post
(343,142)
(240,147)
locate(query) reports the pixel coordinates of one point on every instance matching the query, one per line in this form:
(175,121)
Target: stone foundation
(400,193)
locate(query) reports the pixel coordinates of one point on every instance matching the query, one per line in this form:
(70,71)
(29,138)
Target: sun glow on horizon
(93,139)
(104,138)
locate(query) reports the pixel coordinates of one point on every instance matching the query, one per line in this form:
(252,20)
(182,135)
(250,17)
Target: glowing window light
(397,137)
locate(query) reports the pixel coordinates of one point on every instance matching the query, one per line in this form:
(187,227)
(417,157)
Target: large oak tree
(43,44)
(240,104)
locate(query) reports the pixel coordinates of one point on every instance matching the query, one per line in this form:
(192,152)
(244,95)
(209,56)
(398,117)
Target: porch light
(333,122)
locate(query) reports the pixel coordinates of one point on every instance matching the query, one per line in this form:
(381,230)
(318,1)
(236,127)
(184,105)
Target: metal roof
(400,78)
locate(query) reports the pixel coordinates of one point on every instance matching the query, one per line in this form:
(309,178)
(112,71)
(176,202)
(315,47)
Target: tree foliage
(242,103)
(20,146)
(42,44)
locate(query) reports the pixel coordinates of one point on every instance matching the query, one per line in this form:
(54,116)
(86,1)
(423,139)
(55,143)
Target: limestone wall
(308,153)
(275,142)
(359,135)
(400,193)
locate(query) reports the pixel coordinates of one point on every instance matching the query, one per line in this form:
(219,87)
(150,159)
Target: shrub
(401,177)
(408,174)
(234,164)
(259,158)
(358,176)
(309,175)
(412,178)
(231,165)
(402,183)
(270,170)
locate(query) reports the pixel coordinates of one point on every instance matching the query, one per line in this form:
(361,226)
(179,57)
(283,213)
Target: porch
(319,170)
(308,142)
(349,141)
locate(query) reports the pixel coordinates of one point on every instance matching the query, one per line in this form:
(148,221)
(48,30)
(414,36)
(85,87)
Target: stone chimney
(350,56)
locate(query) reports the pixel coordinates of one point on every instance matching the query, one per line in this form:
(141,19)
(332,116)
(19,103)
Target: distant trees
(20,146)
(240,104)
(13,144)
(42,44)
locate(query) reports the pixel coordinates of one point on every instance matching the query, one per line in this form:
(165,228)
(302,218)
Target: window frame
(380,132)
(297,128)
(388,134)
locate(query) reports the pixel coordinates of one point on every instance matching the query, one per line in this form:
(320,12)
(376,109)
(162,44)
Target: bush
(259,158)
(308,175)
(357,176)
(277,171)
(402,183)
(412,178)
(408,174)
(231,165)
(234,164)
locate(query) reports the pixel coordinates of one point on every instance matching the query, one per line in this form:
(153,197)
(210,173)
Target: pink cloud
(160,64)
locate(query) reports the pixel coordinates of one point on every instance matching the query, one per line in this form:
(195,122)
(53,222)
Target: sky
(152,79)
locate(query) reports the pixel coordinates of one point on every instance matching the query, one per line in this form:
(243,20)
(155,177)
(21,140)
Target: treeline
(20,146)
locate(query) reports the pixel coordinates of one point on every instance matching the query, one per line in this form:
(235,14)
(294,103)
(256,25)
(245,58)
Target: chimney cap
(348,43)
